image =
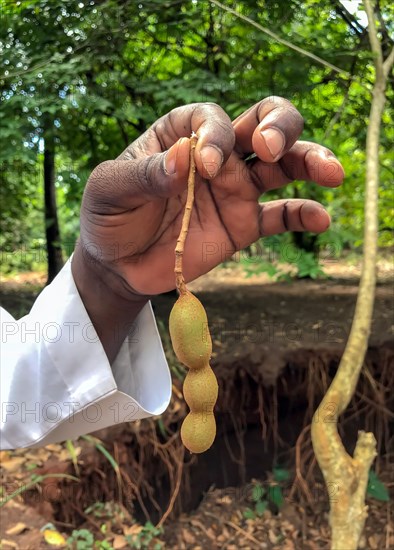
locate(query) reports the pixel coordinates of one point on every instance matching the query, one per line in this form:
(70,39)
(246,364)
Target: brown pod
(189,332)
(200,389)
(198,431)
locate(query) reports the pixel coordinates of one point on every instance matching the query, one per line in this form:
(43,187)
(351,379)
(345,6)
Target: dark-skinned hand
(133,206)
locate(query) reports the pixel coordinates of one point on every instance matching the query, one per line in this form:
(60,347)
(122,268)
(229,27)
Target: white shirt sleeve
(55,379)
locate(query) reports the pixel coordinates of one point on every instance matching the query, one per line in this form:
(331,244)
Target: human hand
(133,206)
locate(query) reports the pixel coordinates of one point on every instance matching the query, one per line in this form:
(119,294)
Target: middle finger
(269,129)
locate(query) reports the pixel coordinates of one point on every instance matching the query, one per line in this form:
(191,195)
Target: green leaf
(258,492)
(261,507)
(276,495)
(281,474)
(249,514)
(376,489)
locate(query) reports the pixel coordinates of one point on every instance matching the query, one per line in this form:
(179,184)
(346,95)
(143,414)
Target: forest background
(83,79)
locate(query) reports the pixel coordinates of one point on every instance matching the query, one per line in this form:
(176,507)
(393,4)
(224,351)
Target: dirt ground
(257,327)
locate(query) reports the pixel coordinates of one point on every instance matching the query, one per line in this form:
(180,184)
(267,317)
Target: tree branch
(373,36)
(349,18)
(388,63)
(281,40)
(349,476)
(387,40)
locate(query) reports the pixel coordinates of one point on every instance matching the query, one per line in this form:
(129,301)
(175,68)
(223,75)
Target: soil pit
(276,349)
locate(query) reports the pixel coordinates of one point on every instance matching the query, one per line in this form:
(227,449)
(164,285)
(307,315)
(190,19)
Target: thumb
(131,183)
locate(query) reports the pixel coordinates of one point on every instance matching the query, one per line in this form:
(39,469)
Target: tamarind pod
(200,389)
(198,431)
(190,337)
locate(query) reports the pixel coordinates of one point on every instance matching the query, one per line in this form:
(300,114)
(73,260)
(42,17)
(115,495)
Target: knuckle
(148,174)
(200,105)
(275,99)
(101,172)
(275,102)
(161,128)
(298,118)
(209,106)
(212,112)
(329,154)
(280,105)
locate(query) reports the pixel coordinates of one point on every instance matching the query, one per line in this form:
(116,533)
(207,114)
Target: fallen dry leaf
(4,543)
(119,542)
(16,529)
(13,463)
(272,536)
(54,447)
(133,530)
(224,500)
(188,537)
(38,455)
(373,542)
(4,455)
(65,454)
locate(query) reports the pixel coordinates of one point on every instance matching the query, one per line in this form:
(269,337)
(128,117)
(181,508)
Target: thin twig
(281,40)
(243,532)
(176,489)
(180,245)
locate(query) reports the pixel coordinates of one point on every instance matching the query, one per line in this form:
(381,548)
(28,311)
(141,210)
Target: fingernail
(171,158)
(212,159)
(327,153)
(274,140)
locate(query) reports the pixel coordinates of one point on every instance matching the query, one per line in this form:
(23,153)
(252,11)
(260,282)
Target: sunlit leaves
(106,70)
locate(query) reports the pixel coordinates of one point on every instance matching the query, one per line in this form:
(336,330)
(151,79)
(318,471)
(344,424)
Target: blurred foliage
(281,259)
(268,495)
(105,70)
(376,488)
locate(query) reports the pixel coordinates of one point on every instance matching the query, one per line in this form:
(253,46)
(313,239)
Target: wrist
(109,301)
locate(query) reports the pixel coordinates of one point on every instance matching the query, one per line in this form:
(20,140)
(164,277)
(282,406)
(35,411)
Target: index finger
(212,125)
(269,129)
(214,130)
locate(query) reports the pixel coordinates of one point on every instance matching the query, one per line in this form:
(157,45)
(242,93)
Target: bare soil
(276,347)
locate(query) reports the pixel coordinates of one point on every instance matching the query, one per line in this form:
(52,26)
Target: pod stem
(180,244)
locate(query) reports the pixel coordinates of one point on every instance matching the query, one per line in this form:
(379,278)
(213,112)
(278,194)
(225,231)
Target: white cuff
(56,381)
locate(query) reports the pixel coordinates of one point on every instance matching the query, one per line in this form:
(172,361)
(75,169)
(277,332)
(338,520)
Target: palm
(214,223)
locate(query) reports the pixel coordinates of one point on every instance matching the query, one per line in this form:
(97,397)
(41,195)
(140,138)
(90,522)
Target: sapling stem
(180,244)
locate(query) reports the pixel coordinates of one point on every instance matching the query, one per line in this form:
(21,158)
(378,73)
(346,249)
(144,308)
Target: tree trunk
(347,475)
(52,231)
